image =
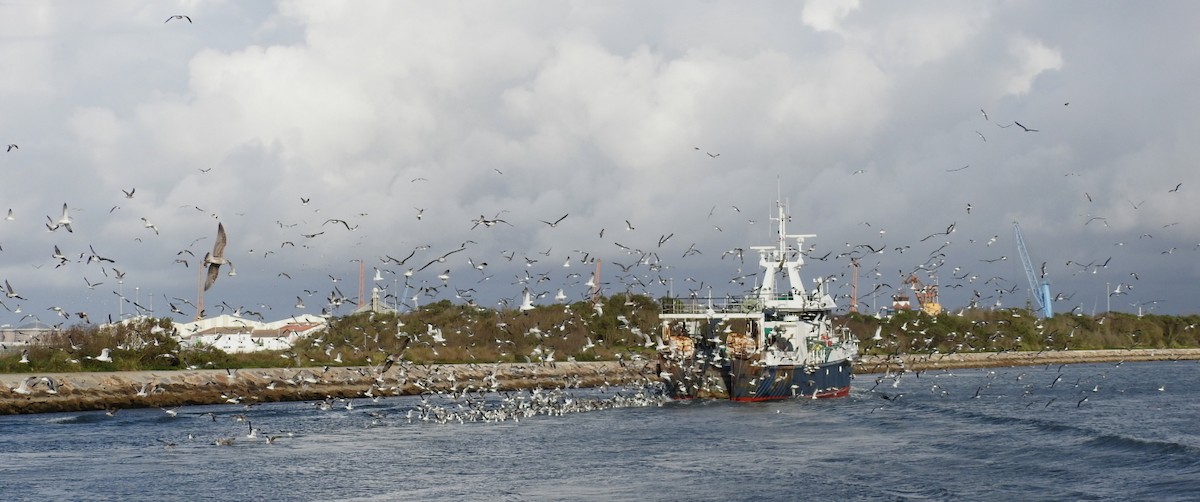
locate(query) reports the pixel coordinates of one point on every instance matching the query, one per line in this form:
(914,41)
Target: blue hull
(748,382)
(742,380)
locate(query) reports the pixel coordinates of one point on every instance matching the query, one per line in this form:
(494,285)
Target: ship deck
(705,308)
(733,308)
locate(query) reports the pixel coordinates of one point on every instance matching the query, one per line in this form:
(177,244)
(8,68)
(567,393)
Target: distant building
(25,334)
(237,335)
(376,305)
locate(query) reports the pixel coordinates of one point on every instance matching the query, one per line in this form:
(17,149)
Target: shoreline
(169,389)
(925,362)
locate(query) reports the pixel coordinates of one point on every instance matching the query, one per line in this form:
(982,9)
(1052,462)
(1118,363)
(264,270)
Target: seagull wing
(219,246)
(213,270)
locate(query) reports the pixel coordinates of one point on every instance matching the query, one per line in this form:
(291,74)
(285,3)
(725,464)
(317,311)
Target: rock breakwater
(168,389)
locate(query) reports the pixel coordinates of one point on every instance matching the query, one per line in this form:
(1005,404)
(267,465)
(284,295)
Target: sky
(541,137)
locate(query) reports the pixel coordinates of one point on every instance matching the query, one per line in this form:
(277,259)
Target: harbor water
(1112,431)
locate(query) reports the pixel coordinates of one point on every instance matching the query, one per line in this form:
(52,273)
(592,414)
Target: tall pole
(1107,299)
(200,293)
(596,286)
(854,285)
(360,283)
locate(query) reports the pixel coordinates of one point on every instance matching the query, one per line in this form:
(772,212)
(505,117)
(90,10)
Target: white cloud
(607,113)
(1030,58)
(827,15)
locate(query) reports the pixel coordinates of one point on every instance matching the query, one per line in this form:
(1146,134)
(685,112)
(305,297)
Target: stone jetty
(167,389)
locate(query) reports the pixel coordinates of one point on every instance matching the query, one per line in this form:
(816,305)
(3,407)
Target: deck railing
(696,306)
(703,305)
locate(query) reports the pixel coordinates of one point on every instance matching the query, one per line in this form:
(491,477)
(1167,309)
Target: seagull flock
(475,393)
(1019,388)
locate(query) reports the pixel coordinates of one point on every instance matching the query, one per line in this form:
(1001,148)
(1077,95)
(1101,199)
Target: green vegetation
(1019,330)
(445,332)
(441,332)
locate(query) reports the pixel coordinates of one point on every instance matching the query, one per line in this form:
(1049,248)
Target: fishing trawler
(775,343)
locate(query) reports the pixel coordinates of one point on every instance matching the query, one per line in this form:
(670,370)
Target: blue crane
(1041,293)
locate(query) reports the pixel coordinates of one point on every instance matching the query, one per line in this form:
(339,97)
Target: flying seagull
(149,225)
(1025,128)
(64,221)
(217,258)
(178,16)
(8,291)
(556,222)
(26,386)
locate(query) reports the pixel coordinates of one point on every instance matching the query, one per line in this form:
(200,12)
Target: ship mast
(779,257)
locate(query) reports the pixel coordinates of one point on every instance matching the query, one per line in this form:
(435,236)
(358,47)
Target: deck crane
(1041,293)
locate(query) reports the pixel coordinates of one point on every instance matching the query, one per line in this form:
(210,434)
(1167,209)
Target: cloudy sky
(664,132)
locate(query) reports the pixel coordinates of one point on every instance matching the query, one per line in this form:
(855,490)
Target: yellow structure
(927,295)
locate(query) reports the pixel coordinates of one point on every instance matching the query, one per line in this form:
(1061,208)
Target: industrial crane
(927,295)
(1041,294)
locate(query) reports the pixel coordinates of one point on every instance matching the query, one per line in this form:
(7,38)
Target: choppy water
(1025,437)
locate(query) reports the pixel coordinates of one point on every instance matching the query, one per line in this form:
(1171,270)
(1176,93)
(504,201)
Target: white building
(25,334)
(237,335)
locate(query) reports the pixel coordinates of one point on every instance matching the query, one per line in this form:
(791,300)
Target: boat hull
(751,382)
(744,380)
